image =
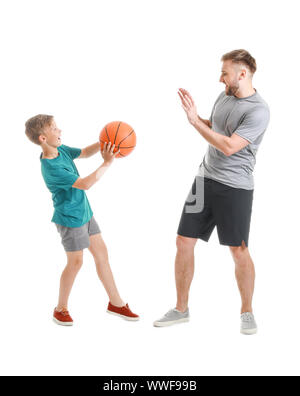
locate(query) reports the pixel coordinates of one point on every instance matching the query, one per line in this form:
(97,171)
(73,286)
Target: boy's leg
(68,276)
(99,252)
(245,275)
(184,270)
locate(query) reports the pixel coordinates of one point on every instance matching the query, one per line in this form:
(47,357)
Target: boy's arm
(90,150)
(88,181)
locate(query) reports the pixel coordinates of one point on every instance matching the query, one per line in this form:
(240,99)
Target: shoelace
(169,313)
(247,317)
(64,312)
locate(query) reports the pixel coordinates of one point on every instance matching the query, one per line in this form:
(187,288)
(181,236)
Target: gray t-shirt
(247,117)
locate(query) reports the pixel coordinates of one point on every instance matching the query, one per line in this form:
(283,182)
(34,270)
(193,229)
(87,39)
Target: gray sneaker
(248,325)
(172,317)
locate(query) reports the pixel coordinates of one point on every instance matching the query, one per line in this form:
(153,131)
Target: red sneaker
(62,317)
(124,312)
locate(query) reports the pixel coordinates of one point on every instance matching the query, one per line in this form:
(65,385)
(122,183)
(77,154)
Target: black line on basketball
(117,132)
(107,134)
(126,137)
(127,147)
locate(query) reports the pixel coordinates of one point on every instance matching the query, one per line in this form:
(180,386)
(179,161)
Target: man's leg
(75,260)
(99,252)
(184,270)
(245,275)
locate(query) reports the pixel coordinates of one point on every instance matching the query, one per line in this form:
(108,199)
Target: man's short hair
(34,127)
(241,56)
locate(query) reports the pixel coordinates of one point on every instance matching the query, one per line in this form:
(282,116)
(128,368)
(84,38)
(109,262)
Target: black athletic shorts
(211,204)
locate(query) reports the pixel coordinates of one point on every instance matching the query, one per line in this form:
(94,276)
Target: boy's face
(51,135)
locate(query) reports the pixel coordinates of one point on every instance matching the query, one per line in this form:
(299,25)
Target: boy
(73,215)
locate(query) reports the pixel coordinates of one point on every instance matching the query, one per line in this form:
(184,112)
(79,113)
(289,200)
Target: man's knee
(239,252)
(185,243)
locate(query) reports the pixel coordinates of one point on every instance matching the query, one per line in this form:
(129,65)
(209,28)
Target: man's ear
(243,73)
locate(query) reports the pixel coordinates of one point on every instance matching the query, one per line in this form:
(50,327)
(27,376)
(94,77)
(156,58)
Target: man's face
(52,135)
(230,76)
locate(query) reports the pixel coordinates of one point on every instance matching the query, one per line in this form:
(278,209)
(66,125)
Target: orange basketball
(120,134)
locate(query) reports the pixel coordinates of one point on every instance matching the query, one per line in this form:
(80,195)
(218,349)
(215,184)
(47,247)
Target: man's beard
(232,89)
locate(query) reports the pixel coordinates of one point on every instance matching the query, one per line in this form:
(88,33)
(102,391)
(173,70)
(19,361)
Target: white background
(91,62)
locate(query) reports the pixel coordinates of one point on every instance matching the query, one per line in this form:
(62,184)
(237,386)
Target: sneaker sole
(170,323)
(249,331)
(123,316)
(62,323)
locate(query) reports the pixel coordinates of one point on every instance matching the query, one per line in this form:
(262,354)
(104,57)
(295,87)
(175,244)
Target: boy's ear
(41,138)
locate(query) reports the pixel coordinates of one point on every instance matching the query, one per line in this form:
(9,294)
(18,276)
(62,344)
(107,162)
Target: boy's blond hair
(34,127)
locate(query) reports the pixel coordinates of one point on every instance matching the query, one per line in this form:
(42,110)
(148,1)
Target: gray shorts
(77,238)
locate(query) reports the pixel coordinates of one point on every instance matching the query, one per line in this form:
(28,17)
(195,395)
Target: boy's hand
(108,153)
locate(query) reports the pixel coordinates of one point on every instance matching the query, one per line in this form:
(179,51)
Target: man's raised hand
(188,105)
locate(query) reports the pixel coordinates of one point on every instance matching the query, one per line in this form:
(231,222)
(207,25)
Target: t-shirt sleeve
(253,124)
(61,178)
(73,152)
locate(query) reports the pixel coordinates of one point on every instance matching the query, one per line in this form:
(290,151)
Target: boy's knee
(75,265)
(75,260)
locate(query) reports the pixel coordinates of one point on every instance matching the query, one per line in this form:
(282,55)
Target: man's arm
(206,122)
(227,145)
(90,150)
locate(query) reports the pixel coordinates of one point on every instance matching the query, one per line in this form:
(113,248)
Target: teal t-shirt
(71,206)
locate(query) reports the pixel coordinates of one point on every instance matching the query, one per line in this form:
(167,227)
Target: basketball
(120,134)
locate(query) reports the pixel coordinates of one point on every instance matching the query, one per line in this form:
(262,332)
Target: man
(222,192)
